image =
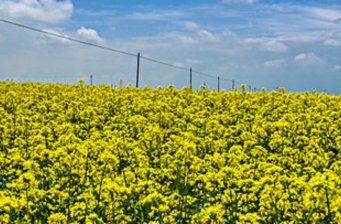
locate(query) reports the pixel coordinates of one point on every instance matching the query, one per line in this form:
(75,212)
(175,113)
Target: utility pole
(190,78)
(138,70)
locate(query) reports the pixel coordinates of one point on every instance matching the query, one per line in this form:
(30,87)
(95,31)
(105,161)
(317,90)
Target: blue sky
(295,44)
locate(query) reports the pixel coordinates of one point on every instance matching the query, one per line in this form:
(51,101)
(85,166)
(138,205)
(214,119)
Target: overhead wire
(111,49)
(164,63)
(67,38)
(204,74)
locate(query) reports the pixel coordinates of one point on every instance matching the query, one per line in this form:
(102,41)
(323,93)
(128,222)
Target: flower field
(101,154)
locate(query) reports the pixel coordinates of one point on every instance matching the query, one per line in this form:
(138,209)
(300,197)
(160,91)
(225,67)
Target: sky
(262,43)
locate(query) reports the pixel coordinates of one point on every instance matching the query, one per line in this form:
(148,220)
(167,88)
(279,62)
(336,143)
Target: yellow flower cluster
(98,154)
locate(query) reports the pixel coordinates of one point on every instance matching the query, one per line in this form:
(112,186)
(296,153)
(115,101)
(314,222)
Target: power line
(112,50)
(164,63)
(227,80)
(204,74)
(91,44)
(67,38)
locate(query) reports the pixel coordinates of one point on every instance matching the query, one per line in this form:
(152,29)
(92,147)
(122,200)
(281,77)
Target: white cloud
(252,40)
(308,58)
(90,35)
(191,25)
(337,67)
(228,33)
(206,35)
(332,42)
(165,39)
(326,14)
(50,11)
(300,57)
(275,46)
(178,37)
(240,1)
(274,63)
(95,13)
(160,15)
(186,39)
(302,37)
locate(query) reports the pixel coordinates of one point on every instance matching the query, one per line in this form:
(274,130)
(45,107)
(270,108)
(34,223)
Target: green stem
(328,206)
(69,193)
